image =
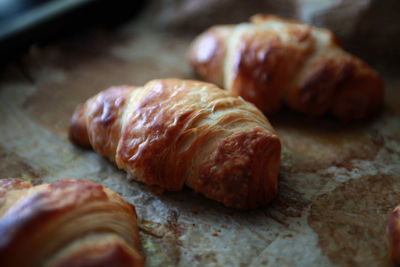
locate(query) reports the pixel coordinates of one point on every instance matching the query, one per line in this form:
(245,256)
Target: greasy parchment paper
(337,183)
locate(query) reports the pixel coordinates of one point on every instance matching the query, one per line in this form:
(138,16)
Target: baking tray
(337,184)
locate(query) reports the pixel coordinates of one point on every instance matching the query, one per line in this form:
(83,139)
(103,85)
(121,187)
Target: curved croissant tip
(260,17)
(77,129)
(393,235)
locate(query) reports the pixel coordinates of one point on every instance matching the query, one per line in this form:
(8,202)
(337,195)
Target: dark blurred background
(368,28)
(27,22)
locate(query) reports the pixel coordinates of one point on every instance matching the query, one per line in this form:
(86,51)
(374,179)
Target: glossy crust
(69,222)
(271,61)
(209,53)
(174,132)
(393,235)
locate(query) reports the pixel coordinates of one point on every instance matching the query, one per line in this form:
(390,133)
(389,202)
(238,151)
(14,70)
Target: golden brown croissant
(393,235)
(174,132)
(273,60)
(69,222)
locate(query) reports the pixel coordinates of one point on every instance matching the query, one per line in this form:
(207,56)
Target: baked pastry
(393,235)
(272,60)
(170,133)
(69,222)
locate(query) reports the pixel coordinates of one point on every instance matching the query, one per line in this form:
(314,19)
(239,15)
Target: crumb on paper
(194,211)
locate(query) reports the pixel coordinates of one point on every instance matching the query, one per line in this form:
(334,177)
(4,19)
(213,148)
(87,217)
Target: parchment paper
(337,183)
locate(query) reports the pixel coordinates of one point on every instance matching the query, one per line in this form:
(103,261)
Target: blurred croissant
(69,222)
(393,235)
(271,61)
(172,133)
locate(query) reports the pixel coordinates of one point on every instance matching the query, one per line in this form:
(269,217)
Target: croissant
(272,60)
(69,222)
(393,235)
(172,133)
